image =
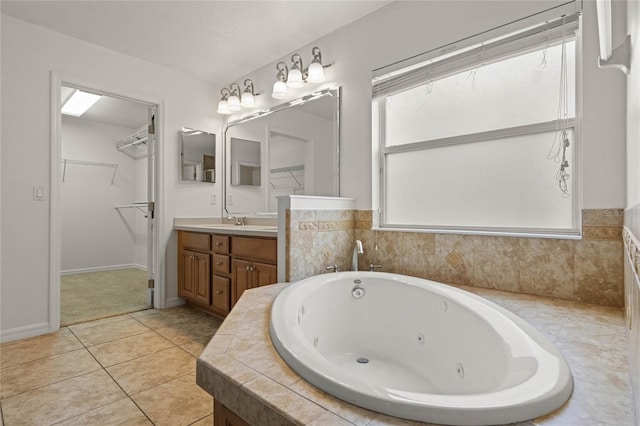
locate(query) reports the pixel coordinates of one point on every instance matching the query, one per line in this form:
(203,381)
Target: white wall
(29,54)
(94,234)
(404,29)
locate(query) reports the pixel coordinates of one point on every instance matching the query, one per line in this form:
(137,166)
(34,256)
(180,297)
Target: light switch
(38,193)
(230,199)
(214,199)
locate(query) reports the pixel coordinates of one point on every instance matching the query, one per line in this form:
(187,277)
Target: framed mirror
(198,155)
(291,149)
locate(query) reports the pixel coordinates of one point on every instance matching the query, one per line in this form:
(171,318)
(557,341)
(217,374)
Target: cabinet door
(242,272)
(264,274)
(202,275)
(186,280)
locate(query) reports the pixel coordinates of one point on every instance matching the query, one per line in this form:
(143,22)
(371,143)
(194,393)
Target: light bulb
(316,73)
(279,90)
(294,80)
(223,107)
(246,100)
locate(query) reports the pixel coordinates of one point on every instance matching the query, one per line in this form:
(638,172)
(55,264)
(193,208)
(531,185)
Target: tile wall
(631,236)
(588,270)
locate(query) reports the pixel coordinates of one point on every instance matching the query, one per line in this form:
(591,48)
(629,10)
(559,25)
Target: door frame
(55,204)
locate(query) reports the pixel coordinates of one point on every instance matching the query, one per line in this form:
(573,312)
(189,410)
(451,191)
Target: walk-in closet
(104,213)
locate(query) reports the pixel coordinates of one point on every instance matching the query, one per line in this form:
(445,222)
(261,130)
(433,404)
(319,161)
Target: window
(483,140)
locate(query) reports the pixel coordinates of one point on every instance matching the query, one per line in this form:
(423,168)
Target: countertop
(241,369)
(257,228)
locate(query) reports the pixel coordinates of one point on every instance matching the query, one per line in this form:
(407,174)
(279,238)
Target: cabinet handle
(218,263)
(219,291)
(248,268)
(218,243)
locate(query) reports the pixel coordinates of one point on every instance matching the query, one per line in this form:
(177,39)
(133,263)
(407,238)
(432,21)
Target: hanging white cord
(558,150)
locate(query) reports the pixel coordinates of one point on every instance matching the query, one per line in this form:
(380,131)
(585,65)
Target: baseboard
(102,268)
(24,332)
(173,302)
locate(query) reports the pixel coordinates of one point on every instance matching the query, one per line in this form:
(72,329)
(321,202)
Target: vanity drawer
(220,243)
(196,241)
(221,263)
(221,294)
(255,248)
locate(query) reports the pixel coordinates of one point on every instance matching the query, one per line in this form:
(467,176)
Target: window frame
(380,152)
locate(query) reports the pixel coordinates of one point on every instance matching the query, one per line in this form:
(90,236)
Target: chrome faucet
(356,251)
(239,220)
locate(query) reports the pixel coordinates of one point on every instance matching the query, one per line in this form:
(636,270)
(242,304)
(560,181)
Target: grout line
(103,368)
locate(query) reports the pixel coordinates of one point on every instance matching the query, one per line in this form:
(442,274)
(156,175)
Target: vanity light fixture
(247,100)
(280,87)
(316,69)
(297,75)
(233,103)
(223,105)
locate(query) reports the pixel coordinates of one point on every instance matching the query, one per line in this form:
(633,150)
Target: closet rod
(66,161)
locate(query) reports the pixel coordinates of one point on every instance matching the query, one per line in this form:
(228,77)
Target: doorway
(106,244)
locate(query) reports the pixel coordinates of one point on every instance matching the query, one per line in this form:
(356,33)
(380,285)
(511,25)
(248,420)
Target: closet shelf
(66,161)
(140,205)
(134,145)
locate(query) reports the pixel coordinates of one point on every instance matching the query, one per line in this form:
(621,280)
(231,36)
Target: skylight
(79,103)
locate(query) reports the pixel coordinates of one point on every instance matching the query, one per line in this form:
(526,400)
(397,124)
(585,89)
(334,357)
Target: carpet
(96,295)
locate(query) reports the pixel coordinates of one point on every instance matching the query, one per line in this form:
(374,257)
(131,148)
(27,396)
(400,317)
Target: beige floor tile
(168,317)
(60,401)
(207,421)
(178,402)
(110,331)
(33,374)
(26,350)
(142,313)
(102,321)
(143,373)
(183,332)
(120,413)
(128,348)
(195,347)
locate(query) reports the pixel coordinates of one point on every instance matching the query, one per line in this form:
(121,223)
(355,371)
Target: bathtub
(417,349)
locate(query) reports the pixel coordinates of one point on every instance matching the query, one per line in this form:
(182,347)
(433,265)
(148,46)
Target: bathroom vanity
(218,262)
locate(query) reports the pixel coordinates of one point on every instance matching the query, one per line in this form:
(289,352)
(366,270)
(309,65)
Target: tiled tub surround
(588,270)
(632,298)
(242,370)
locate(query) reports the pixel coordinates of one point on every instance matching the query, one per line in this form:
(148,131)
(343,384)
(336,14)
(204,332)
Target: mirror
(291,149)
(245,166)
(198,155)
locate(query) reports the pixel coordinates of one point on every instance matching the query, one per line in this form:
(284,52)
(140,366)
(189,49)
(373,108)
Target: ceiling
(112,110)
(214,41)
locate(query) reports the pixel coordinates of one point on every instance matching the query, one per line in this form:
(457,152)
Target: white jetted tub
(417,349)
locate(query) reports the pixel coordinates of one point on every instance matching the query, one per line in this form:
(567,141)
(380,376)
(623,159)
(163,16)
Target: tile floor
(135,369)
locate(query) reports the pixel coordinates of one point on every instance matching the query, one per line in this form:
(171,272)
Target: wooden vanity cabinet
(221,274)
(254,264)
(222,416)
(214,269)
(194,268)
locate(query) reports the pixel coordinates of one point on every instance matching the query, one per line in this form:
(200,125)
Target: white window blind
(549,33)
